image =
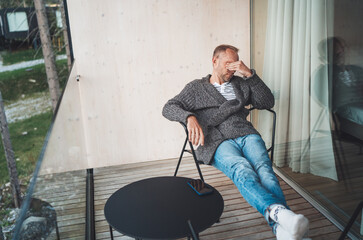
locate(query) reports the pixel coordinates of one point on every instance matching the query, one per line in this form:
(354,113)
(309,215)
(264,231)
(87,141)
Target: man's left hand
(240,67)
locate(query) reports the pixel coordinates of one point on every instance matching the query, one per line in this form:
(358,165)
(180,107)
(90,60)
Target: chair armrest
(185,129)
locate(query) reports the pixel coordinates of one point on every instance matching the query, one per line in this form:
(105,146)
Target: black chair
(197,162)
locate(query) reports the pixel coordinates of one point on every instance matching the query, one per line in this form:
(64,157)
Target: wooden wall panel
(134,55)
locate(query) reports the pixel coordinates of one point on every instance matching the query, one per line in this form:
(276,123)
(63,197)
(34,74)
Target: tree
(49,58)
(9,154)
(65,36)
(1,233)
(15,3)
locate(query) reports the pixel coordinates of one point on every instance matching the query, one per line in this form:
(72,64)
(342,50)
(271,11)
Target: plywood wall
(258,37)
(132,56)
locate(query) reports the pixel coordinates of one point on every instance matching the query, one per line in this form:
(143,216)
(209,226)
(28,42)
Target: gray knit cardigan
(220,119)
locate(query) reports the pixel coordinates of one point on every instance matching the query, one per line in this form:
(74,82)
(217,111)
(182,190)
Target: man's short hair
(223,48)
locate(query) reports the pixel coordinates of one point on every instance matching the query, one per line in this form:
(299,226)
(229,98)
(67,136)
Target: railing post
(90,206)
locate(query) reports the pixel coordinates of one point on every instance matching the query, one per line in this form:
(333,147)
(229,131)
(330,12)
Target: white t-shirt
(226,89)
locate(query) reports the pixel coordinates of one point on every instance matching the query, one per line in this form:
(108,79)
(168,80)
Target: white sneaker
(282,234)
(296,224)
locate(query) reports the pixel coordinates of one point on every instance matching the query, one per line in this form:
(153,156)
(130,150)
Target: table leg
(195,236)
(111,233)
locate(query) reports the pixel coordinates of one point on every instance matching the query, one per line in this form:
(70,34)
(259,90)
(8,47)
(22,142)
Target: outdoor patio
(66,192)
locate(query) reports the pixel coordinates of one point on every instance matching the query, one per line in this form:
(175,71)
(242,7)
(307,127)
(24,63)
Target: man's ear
(214,60)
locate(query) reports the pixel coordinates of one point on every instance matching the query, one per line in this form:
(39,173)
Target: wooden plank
(238,221)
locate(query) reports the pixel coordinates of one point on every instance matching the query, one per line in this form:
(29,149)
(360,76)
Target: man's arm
(240,67)
(195,131)
(261,96)
(180,108)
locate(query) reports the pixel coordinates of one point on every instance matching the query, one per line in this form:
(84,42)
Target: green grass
(26,147)
(23,55)
(13,84)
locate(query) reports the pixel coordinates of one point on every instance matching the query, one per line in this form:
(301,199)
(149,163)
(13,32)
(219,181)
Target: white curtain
(292,68)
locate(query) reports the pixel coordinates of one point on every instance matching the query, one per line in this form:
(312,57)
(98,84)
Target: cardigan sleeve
(261,96)
(181,106)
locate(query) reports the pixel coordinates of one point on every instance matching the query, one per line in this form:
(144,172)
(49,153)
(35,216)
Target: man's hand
(240,67)
(195,132)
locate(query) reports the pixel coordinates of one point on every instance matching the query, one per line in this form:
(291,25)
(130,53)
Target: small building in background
(19,26)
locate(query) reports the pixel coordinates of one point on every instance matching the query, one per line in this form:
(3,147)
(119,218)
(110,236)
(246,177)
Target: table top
(159,208)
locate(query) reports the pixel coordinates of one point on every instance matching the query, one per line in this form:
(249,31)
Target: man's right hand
(195,132)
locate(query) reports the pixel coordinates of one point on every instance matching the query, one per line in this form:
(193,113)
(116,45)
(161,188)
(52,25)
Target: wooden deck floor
(66,192)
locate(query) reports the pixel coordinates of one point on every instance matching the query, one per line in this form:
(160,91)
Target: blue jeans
(246,162)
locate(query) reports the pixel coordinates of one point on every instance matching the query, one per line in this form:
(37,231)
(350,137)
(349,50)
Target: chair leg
(181,156)
(196,162)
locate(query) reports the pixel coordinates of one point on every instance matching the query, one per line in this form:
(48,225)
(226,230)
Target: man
(213,109)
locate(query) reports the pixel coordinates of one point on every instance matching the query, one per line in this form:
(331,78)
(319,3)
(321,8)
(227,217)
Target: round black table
(160,208)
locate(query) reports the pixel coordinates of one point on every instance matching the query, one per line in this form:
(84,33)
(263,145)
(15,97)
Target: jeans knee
(265,166)
(270,181)
(243,174)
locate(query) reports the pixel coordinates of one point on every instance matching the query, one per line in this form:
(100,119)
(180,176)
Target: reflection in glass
(313,63)
(27,106)
(290,63)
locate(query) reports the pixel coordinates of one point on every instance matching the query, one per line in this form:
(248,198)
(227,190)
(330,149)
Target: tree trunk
(1,234)
(65,36)
(9,154)
(49,59)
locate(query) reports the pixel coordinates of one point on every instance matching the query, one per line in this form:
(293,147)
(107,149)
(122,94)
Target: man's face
(220,62)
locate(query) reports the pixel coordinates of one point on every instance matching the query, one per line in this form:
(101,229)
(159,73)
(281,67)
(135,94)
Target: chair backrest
(272,148)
